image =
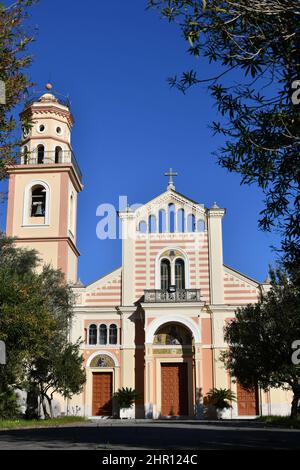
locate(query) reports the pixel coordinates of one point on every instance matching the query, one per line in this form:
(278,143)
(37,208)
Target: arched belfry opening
(58,155)
(40,154)
(38,201)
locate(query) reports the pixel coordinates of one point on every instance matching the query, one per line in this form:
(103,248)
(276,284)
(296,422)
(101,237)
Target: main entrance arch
(170,368)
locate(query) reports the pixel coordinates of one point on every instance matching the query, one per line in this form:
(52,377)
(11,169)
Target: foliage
(36,312)
(261,336)
(8,404)
(14,60)
(255,46)
(35,423)
(220,398)
(59,371)
(282,421)
(126,397)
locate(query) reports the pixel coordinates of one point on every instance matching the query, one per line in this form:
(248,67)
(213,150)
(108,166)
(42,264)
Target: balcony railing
(51,158)
(180,295)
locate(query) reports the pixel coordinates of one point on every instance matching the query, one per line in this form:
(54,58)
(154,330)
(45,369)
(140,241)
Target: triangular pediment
(104,292)
(105,280)
(240,277)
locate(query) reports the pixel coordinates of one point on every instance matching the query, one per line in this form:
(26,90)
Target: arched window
(180,220)
(142,227)
(152,223)
(25,155)
(200,225)
(103,334)
(165,274)
(162,221)
(25,132)
(191,224)
(38,201)
(113,334)
(179,274)
(40,154)
(58,155)
(93,334)
(171,218)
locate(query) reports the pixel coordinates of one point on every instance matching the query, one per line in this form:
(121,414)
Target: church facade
(156,323)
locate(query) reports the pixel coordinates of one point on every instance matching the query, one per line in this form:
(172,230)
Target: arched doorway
(101,383)
(173,357)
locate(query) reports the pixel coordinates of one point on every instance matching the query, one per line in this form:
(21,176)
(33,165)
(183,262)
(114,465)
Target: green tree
(58,371)
(255,45)
(36,309)
(14,60)
(261,340)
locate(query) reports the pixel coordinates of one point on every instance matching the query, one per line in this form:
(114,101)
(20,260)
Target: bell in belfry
(39,209)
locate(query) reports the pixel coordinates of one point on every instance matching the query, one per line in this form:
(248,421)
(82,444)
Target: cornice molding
(216,212)
(49,168)
(51,109)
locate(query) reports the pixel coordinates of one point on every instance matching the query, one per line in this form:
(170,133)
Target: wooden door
(174,389)
(247,401)
(102,393)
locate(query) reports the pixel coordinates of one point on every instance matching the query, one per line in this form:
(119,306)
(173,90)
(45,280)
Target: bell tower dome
(43,187)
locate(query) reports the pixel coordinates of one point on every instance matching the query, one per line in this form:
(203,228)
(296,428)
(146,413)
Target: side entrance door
(247,401)
(102,393)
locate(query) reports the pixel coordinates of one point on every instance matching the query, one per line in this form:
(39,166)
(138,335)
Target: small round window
(41,128)
(58,130)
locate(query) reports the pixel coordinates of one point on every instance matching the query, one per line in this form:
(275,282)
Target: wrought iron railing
(50,158)
(34,98)
(180,295)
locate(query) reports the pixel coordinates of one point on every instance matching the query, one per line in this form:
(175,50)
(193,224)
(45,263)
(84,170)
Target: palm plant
(220,398)
(126,397)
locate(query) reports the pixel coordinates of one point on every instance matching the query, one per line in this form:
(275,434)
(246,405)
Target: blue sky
(113,59)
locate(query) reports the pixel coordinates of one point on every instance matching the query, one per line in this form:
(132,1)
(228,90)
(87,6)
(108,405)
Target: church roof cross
(171,173)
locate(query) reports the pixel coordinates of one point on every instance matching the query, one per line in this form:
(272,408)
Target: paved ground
(112,435)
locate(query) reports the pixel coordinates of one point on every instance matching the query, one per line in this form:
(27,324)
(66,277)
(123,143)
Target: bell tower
(43,187)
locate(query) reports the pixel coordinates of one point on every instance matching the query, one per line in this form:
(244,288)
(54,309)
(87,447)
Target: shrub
(220,398)
(9,407)
(126,397)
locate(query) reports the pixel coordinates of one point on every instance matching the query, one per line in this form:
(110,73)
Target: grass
(285,421)
(39,423)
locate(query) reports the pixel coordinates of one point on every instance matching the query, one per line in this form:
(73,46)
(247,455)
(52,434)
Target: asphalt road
(113,435)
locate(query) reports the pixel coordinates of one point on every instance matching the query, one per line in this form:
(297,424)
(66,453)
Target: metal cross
(171,173)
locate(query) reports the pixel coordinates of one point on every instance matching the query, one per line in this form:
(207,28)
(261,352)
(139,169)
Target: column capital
(216,212)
